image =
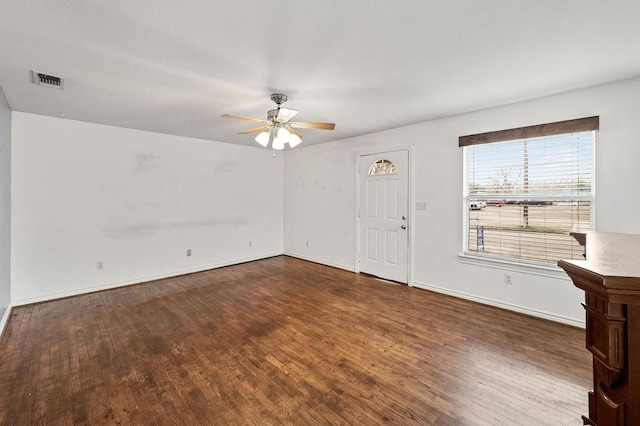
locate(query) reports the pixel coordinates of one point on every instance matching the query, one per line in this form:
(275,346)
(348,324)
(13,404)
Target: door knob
(404,218)
(403,226)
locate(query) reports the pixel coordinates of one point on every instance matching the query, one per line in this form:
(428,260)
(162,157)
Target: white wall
(5,210)
(320,192)
(83,193)
(135,200)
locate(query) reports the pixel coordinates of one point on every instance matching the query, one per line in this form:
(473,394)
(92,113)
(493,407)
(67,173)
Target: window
(526,189)
(383,167)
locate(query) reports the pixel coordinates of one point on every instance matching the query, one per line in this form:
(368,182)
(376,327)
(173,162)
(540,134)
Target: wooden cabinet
(610,277)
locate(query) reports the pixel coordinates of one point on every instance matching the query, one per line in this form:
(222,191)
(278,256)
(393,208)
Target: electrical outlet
(99,265)
(188,252)
(508,279)
(250,244)
(307,243)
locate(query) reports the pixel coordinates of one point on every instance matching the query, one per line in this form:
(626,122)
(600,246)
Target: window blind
(524,197)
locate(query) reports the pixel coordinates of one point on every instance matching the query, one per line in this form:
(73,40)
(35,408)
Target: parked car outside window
(477,205)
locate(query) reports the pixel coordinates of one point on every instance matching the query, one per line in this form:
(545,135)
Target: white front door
(384,184)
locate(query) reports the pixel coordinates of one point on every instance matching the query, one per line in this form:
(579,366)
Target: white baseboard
(511,307)
(320,261)
(138,280)
(5,320)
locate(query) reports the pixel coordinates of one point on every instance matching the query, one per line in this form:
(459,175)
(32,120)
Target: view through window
(523,197)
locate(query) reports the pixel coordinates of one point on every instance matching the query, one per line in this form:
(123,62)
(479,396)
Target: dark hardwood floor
(284,341)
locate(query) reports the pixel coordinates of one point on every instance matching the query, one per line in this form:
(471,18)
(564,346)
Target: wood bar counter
(610,278)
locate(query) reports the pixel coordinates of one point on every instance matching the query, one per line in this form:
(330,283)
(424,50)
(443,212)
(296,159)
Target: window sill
(550,271)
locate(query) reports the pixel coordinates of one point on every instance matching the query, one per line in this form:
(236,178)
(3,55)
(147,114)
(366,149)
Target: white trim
(383,150)
(508,306)
(550,271)
(592,207)
(139,280)
(410,206)
(5,320)
(320,261)
(411,211)
(357,222)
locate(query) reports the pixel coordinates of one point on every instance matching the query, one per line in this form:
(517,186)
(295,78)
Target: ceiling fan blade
(286,114)
(237,117)
(256,129)
(298,134)
(321,126)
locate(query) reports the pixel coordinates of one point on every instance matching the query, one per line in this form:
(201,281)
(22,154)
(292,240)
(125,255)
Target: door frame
(410,209)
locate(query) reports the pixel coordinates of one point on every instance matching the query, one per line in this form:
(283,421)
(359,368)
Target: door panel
(383,215)
(372,200)
(391,198)
(372,244)
(391,244)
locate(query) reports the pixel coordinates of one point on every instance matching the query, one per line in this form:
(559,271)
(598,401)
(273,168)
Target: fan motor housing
(279,98)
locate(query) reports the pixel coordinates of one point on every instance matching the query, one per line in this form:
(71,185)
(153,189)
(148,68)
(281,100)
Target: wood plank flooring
(285,341)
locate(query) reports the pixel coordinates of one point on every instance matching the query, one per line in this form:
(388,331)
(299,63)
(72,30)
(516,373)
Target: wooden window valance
(548,129)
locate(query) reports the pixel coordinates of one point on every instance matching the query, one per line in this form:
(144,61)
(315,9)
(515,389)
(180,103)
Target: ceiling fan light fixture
(278,129)
(263,138)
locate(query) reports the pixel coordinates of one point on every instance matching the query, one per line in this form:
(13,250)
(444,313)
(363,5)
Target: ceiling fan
(278,128)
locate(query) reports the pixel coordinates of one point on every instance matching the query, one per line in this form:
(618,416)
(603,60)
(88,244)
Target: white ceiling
(175,66)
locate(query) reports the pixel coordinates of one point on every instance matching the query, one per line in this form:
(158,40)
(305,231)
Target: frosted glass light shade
(294,140)
(263,138)
(278,143)
(283,134)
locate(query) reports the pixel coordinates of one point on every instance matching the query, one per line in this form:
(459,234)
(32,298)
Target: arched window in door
(383,167)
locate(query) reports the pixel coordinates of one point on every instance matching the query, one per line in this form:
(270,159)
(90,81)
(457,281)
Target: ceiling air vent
(47,80)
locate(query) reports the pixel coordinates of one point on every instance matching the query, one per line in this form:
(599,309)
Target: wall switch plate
(508,279)
(421,205)
(188,252)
